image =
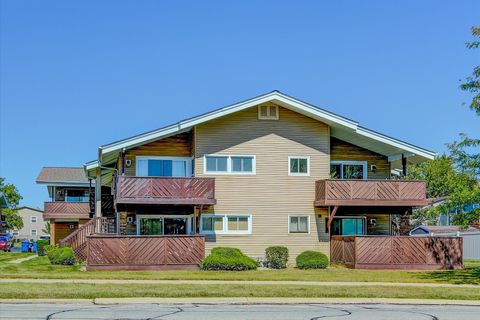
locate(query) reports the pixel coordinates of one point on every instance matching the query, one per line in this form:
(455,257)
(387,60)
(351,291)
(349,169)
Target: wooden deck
(117,252)
(391,252)
(159,190)
(332,192)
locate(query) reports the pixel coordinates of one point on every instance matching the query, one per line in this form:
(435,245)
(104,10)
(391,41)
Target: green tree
(441,176)
(13,197)
(472,82)
(444,180)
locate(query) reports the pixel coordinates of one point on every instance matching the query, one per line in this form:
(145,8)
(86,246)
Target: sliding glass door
(157,225)
(348,226)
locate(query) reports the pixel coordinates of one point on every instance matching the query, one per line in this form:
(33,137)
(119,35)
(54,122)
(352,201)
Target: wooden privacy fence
(388,252)
(78,239)
(144,252)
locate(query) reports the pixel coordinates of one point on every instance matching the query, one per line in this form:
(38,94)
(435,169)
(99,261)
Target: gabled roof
(30,208)
(62,176)
(341,127)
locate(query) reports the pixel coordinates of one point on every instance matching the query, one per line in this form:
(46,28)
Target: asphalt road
(236,312)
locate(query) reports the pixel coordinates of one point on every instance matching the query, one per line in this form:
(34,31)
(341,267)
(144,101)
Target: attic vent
(268,112)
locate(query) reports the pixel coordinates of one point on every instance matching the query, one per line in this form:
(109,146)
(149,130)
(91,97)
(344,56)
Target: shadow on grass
(469,275)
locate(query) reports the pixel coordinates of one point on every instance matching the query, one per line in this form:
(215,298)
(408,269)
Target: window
(15,233)
(299,224)
(242,164)
(268,112)
(217,164)
(236,164)
(226,224)
(33,232)
(299,166)
(77,195)
(348,170)
(33,219)
(212,224)
(164,167)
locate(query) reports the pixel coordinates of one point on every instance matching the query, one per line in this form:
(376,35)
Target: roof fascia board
(397,143)
(186,124)
(396,157)
(140,139)
(65,184)
(275,96)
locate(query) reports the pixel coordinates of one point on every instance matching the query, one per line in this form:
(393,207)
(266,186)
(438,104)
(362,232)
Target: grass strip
(40,268)
(92,291)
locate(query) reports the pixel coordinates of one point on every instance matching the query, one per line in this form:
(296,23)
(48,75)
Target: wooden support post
(330,219)
(404,165)
(98,196)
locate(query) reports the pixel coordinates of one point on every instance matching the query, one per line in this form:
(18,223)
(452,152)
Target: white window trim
(299,174)
(268,117)
(299,215)
(32,218)
(229,165)
(188,160)
(225,230)
(31,232)
(363,163)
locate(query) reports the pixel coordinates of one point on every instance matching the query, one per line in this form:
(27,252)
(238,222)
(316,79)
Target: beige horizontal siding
(271,195)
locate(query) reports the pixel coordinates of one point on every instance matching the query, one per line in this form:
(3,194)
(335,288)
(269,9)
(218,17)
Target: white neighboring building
(33,224)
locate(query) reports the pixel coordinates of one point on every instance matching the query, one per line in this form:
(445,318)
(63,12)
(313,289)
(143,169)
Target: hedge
(41,244)
(225,258)
(60,255)
(312,260)
(276,257)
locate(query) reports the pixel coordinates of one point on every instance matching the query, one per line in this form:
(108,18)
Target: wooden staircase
(77,240)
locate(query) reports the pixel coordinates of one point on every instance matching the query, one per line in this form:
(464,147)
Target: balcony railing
(161,190)
(61,209)
(370,193)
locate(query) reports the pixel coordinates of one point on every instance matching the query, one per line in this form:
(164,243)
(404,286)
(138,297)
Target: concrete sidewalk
(242,282)
(243,301)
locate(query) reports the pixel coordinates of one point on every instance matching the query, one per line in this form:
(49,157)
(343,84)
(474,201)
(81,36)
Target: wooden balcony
(61,209)
(370,193)
(160,190)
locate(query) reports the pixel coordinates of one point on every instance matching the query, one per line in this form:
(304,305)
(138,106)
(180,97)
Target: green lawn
(91,291)
(40,268)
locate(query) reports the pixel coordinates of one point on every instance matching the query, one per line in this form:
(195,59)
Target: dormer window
(267,112)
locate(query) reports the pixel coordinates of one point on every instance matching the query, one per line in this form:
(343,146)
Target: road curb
(245,300)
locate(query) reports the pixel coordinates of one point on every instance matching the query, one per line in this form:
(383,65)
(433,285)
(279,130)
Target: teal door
(348,226)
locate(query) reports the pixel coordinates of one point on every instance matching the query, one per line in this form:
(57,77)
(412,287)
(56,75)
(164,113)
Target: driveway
(237,312)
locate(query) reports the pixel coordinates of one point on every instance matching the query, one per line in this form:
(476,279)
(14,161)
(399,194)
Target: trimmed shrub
(41,244)
(232,259)
(312,260)
(276,257)
(227,252)
(60,255)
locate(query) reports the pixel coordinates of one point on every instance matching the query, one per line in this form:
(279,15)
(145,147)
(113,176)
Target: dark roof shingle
(61,175)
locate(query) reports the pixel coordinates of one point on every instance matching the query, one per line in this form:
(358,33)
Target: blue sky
(78,74)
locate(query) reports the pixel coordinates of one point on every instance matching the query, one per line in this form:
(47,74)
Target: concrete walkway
(17,261)
(243,282)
